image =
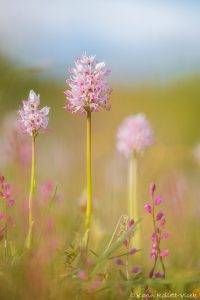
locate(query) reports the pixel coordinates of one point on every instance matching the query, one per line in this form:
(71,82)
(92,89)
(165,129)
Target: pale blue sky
(139,39)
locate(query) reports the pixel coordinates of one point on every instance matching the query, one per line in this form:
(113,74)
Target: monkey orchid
(88,92)
(133,137)
(32,120)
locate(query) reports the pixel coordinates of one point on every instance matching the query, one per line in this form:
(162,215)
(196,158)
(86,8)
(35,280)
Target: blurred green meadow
(173,109)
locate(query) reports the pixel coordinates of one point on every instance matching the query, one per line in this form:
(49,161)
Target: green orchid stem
(133,197)
(89,179)
(30,201)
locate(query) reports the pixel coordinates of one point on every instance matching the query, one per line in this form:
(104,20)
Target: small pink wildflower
(159,275)
(165,235)
(31,118)
(83,275)
(159,215)
(126,243)
(119,261)
(130,223)
(137,269)
(162,223)
(148,208)
(88,84)
(153,254)
(152,189)
(10,202)
(133,251)
(134,134)
(158,200)
(164,253)
(157,236)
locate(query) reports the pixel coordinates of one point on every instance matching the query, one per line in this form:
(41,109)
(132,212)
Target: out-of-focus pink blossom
(155,246)
(153,237)
(119,261)
(137,269)
(10,202)
(159,275)
(31,118)
(134,134)
(133,251)
(162,223)
(83,275)
(148,208)
(165,235)
(164,253)
(89,90)
(153,254)
(130,223)
(158,200)
(152,189)
(159,215)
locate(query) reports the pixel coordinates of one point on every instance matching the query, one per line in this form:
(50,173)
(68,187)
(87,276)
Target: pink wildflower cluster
(129,252)
(6,196)
(32,119)
(159,232)
(134,135)
(88,84)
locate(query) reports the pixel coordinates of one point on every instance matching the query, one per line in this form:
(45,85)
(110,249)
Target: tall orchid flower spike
(88,92)
(133,137)
(32,120)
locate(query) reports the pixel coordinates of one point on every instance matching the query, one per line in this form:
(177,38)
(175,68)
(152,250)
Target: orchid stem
(133,195)
(30,201)
(89,178)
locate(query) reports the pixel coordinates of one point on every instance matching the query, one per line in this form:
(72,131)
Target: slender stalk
(133,195)
(89,178)
(30,201)
(6,231)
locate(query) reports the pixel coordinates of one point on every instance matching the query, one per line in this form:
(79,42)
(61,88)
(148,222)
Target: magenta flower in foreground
(158,234)
(32,119)
(134,135)
(148,208)
(88,85)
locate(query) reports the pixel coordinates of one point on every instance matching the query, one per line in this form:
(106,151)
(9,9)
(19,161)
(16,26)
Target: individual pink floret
(164,253)
(158,200)
(148,208)
(159,215)
(152,189)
